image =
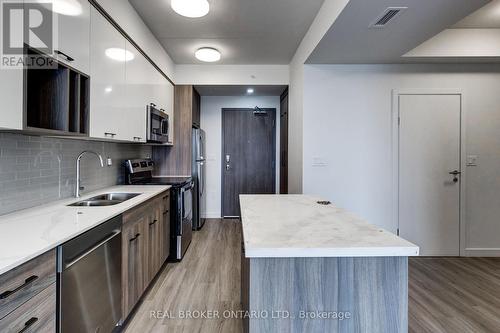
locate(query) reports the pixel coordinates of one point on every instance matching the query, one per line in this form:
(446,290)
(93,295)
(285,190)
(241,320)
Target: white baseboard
(482,252)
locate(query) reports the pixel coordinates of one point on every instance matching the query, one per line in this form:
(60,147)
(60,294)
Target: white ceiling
(240,90)
(245,31)
(474,39)
(350,40)
(487,17)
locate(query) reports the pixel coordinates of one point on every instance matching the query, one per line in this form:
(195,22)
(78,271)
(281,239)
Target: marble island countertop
(279,226)
(28,233)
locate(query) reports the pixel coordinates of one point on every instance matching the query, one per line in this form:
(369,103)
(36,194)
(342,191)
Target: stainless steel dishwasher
(89,280)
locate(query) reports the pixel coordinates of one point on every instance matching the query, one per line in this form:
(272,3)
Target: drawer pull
(166,212)
(135,238)
(150,224)
(68,58)
(28,324)
(8,293)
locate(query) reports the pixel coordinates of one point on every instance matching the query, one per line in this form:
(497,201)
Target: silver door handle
(228,158)
(228,167)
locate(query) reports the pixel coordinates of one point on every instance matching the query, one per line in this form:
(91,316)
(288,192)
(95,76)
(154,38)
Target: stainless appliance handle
(164,126)
(201,176)
(107,239)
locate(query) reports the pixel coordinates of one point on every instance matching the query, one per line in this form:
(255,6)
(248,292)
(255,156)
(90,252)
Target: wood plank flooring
(446,295)
(454,295)
(208,278)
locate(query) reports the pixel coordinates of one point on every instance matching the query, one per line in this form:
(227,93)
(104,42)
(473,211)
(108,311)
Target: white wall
(211,122)
(126,16)
(347,139)
(232,74)
(326,16)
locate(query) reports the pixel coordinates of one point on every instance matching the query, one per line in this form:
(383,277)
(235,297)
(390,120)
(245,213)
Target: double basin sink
(108,199)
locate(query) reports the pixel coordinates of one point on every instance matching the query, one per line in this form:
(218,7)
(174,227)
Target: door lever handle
(455,174)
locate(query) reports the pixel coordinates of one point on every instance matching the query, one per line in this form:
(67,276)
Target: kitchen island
(313,267)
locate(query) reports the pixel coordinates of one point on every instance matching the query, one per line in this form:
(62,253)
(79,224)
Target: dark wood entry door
(284,143)
(248,155)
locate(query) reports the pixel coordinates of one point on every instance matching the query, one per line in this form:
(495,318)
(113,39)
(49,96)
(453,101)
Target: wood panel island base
(308,267)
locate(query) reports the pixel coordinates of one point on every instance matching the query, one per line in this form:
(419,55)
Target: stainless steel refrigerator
(198,174)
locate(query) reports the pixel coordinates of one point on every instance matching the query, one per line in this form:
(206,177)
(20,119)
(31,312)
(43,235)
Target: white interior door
(429,149)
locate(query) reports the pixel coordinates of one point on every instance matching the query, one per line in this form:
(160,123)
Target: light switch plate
(472,160)
(319,162)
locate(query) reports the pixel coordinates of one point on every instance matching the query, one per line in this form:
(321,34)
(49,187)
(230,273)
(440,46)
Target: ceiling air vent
(387,16)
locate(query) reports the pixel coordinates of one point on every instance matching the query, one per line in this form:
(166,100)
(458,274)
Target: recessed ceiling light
(207,54)
(191,8)
(108,89)
(64,7)
(250,91)
(119,54)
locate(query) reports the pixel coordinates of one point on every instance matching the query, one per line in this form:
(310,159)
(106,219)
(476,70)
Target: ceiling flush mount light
(207,54)
(63,7)
(191,8)
(250,91)
(118,54)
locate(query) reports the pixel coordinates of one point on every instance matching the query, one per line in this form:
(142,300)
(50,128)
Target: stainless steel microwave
(157,125)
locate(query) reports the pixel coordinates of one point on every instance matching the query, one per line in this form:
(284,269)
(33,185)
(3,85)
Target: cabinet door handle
(137,138)
(109,134)
(150,224)
(68,58)
(28,324)
(8,293)
(135,238)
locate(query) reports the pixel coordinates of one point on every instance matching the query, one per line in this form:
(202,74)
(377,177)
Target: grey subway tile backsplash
(37,170)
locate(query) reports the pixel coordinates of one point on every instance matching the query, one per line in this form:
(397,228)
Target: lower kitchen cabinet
(166,225)
(143,248)
(155,239)
(28,296)
(134,256)
(36,315)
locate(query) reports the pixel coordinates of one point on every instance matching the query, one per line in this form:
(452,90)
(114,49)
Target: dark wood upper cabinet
(176,160)
(196,109)
(56,99)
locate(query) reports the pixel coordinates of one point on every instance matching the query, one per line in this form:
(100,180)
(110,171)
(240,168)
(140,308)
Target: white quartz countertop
(277,226)
(29,233)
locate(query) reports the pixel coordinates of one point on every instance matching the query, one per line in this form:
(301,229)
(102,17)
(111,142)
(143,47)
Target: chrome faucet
(78,180)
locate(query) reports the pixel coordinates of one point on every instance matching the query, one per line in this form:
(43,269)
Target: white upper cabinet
(107,79)
(138,75)
(72,24)
(167,93)
(74,36)
(11,97)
